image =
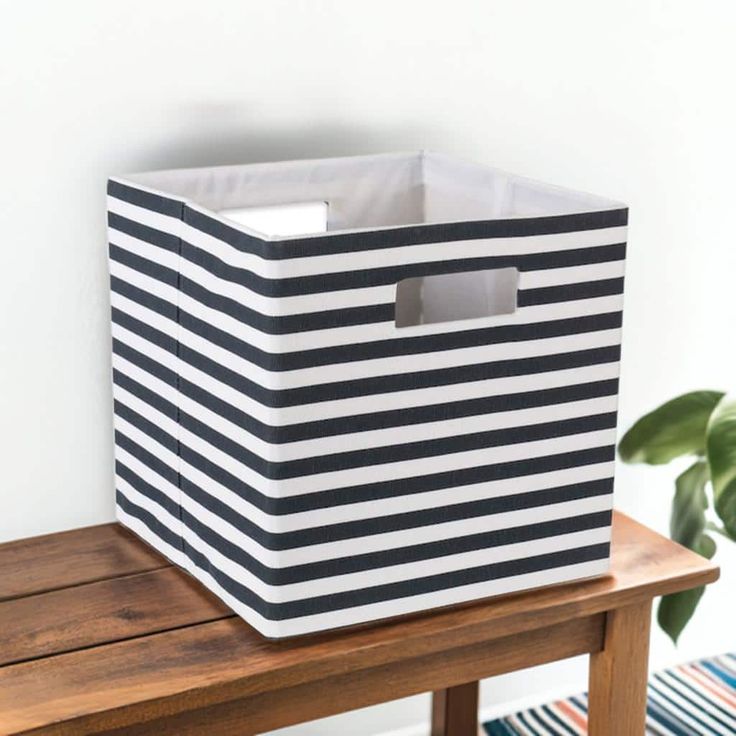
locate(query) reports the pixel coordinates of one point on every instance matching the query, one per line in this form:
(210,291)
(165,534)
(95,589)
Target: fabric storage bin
(411,409)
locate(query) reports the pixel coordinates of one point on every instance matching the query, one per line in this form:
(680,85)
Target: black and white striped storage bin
(317,456)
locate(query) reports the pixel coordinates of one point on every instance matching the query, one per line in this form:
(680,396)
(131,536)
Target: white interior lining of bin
(386,190)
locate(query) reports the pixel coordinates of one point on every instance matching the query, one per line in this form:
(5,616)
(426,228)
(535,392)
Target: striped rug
(692,699)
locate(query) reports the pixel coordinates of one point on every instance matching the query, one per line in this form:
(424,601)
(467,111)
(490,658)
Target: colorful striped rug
(692,699)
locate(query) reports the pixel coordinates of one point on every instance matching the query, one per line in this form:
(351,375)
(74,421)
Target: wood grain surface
(56,561)
(98,633)
(617,699)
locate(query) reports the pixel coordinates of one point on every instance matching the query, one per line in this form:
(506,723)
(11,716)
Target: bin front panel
(335,469)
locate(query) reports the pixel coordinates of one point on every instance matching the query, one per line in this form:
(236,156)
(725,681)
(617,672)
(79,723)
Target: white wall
(628,98)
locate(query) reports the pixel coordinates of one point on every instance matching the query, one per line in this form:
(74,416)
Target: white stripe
(437,429)
(165,223)
(675,709)
(362,510)
(385,471)
(678,692)
(572,274)
(397,470)
(539,721)
(519,727)
(285,416)
(725,662)
(343,299)
(144,501)
(171,553)
(146,441)
(354,334)
(412,604)
(148,475)
(657,728)
(437,532)
(258,517)
(366,510)
(273,379)
(354,369)
(367,259)
(397,435)
(549,723)
(141,248)
(401,255)
(357,511)
(394,573)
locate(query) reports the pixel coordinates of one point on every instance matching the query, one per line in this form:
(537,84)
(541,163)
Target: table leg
(618,674)
(455,711)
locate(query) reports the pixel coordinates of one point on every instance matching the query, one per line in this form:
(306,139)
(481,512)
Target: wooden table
(98,634)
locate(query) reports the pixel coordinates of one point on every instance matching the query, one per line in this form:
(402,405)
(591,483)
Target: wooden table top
(97,631)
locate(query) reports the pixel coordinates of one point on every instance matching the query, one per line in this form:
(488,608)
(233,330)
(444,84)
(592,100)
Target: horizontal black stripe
(375,594)
(290,323)
(154,525)
(153,462)
(143,330)
(324,319)
(396,237)
(148,200)
(268,324)
(278,506)
(393,347)
(570,292)
(325,534)
(398,417)
(153,430)
(365,527)
(419,234)
(148,234)
(357,422)
(358,387)
(143,265)
(152,398)
(391,557)
(384,348)
(377,384)
(153,367)
(353,459)
(385,276)
(399,522)
(393,591)
(368,277)
(167,309)
(146,489)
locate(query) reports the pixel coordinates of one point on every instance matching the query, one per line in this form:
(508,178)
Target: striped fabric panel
(280,439)
(695,699)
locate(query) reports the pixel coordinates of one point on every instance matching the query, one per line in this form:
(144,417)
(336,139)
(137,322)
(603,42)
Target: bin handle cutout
(425,300)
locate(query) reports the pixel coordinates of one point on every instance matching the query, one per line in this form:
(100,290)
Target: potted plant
(702,426)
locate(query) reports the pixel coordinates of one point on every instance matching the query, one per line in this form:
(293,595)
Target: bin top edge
(448,167)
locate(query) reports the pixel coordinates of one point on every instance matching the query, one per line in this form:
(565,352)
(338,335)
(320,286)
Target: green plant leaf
(706,547)
(676,428)
(721,448)
(718,529)
(687,518)
(687,524)
(675,610)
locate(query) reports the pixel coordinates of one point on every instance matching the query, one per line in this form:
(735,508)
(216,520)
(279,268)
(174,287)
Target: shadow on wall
(211,135)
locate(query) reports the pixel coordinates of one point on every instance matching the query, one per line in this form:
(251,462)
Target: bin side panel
(144,243)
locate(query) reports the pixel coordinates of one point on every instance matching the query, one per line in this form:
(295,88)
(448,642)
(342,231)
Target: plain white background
(632,99)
